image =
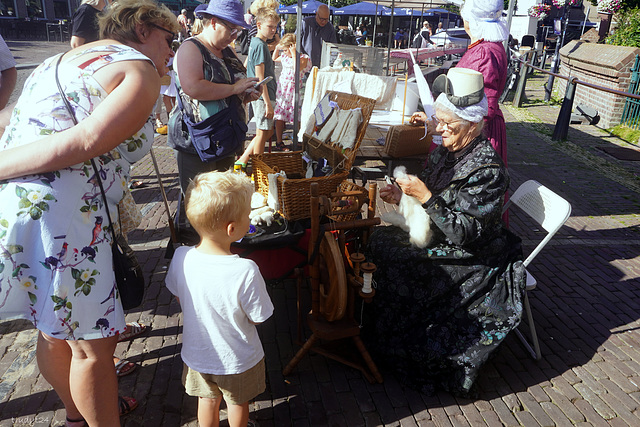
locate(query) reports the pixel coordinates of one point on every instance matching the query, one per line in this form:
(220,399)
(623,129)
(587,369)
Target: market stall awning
(308,7)
(401,12)
(362,8)
(181,4)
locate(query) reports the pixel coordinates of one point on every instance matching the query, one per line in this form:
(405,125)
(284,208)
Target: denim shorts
(259,112)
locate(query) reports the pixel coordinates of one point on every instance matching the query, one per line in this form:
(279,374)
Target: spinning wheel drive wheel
(333,279)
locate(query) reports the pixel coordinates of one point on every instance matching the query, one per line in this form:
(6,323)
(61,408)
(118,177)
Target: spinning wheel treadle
(333,279)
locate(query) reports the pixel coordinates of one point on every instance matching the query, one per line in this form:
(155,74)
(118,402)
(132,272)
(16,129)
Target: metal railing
(564,117)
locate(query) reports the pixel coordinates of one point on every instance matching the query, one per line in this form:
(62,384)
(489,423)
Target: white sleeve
(255,300)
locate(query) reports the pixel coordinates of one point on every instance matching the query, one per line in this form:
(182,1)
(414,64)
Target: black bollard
(564,118)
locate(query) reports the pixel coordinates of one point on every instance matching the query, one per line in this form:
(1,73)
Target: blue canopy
(308,7)
(362,8)
(401,12)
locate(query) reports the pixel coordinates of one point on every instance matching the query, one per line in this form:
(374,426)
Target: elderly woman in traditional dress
(57,268)
(441,310)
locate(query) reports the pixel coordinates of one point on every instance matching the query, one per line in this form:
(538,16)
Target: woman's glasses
(232,31)
(444,125)
(173,36)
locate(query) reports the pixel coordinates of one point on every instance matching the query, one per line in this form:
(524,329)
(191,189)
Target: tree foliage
(627,32)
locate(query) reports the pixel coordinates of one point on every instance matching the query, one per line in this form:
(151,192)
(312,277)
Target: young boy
(222,297)
(261,65)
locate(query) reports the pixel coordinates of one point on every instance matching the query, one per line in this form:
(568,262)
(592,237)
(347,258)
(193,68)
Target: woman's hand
(243,85)
(413,186)
(251,95)
(391,194)
(418,118)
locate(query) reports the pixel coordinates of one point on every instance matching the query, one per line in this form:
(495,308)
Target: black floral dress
(439,312)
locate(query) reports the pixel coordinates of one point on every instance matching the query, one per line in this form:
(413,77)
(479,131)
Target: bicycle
(513,71)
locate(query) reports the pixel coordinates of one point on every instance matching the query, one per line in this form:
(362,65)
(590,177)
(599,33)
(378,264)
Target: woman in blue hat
(210,78)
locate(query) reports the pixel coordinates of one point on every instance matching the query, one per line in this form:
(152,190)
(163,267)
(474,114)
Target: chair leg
(535,350)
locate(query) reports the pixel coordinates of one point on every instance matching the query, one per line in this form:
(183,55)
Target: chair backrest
(544,206)
(528,41)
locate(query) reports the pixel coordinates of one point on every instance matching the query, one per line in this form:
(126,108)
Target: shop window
(7,8)
(34,9)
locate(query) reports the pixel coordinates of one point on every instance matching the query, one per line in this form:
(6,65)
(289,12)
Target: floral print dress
(287,88)
(440,312)
(56,267)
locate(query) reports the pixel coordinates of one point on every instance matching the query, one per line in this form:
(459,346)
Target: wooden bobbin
(367,267)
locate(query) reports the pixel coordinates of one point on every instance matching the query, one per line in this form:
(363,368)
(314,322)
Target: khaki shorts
(235,388)
(259,112)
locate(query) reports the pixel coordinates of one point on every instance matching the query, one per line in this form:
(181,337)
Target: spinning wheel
(333,279)
(333,288)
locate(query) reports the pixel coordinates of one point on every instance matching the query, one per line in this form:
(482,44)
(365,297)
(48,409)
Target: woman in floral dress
(56,269)
(285,52)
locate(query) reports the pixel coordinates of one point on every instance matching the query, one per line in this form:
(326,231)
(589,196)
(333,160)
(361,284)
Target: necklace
(451,160)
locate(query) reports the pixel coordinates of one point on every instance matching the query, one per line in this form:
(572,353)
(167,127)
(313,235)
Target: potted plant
(539,11)
(609,6)
(606,8)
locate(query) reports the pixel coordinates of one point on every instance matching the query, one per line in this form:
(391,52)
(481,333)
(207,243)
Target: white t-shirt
(220,295)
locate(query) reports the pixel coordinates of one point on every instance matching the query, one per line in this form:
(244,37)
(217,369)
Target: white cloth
(220,296)
(380,88)
(272,197)
(346,132)
(6,58)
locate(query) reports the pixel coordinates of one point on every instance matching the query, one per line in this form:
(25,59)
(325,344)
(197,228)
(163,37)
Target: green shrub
(627,31)
(290,26)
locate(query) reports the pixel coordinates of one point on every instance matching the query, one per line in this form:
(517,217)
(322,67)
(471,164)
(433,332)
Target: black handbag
(217,136)
(127,269)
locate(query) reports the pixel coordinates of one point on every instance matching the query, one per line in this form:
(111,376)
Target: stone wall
(602,65)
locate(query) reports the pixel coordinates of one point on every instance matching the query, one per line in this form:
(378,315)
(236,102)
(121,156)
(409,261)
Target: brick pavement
(586,309)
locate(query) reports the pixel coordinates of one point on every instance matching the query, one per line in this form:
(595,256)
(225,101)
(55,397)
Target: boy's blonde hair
(259,4)
(288,40)
(214,199)
(265,14)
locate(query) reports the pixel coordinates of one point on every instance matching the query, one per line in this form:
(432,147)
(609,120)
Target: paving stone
(564,404)
(598,405)
(531,405)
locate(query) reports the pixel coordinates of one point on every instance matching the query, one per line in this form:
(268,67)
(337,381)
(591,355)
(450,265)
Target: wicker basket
(335,155)
(405,140)
(295,191)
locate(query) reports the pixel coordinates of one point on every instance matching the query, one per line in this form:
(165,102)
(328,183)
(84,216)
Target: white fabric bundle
(272,198)
(410,216)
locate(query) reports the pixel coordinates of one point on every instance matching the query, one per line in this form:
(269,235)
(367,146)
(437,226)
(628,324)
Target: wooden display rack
(335,281)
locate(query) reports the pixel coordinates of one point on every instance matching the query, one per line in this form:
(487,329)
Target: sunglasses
(173,36)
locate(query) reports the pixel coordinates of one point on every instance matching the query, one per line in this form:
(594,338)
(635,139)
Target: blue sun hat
(201,8)
(231,11)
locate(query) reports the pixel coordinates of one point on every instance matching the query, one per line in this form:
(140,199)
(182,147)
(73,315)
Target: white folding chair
(550,211)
